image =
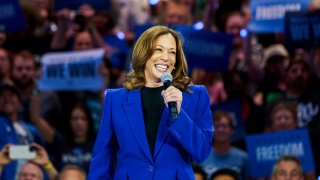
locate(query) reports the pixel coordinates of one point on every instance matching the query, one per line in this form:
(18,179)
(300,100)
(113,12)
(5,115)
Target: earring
(174,68)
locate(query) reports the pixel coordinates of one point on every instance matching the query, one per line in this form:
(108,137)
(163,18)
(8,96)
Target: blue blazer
(121,150)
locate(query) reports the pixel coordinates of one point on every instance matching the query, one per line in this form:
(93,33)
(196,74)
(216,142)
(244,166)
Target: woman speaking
(140,137)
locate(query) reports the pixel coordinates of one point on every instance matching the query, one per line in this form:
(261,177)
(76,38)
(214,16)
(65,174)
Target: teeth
(161,67)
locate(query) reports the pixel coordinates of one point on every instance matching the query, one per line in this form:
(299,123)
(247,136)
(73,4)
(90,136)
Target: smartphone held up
(22,152)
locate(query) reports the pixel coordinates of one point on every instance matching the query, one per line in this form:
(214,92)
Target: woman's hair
(90,133)
(143,50)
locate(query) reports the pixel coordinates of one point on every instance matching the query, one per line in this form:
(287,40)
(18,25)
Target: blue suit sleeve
(195,135)
(104,152)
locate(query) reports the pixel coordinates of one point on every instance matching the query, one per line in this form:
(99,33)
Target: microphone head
(166,77)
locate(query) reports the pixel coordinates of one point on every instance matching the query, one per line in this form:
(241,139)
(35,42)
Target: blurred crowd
(278,89)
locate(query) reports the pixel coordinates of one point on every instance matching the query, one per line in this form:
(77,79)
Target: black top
(152,107)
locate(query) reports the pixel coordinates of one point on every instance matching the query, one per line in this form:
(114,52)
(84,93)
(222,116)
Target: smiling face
(162,60)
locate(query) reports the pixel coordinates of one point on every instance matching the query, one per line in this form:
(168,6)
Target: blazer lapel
(133,110)
(163,131)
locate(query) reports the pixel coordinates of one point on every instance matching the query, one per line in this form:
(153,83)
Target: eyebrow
(165,47)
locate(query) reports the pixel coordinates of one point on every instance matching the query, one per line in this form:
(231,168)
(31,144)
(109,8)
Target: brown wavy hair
(143,50)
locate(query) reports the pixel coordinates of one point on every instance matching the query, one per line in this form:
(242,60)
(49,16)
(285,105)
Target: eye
(158,49)
(173,52)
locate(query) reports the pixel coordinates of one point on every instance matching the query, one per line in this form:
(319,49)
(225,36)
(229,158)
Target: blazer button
(150,168)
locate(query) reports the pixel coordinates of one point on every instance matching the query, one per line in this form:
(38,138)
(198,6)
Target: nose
(165,56)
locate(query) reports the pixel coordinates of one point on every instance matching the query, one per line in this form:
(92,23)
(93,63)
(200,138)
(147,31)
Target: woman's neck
(153,84)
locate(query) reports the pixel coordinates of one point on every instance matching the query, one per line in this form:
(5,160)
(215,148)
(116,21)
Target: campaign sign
(71,70)
(302,30)
(233,107)
(265,149)
(205,49)
(74,4)
(268,15)
(11,18)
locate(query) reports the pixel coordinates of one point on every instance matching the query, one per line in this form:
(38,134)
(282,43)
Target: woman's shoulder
(116,91)
(197,88)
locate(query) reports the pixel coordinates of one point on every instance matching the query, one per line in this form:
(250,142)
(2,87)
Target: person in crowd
(72,172)
(287,167)
(216,90)
(32,169)
(76,145)
(299,91)
(13,129)
(298,77)
(77,32)
(174,13)
(191,6)
(5,65)
(83,41)
(223,155)
(246,51)
(118,57)
(23,76)
(36,28)
(234,23)
(283,116)
(208,14)
(225,174)
(131,13)
(134,115)
(276,60)
(199,173)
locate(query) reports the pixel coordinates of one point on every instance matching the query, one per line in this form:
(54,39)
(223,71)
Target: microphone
(166,78)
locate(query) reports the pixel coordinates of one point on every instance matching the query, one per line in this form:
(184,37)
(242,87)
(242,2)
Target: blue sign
(74,4)
(233,107)
(11,18)
(302,30)
(265,149)
(268,15)
(71,70)
(206,49)
(139,29)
